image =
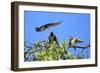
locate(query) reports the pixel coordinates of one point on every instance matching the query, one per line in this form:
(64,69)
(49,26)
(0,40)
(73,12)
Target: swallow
(74,41)
(47,26)
(53,38)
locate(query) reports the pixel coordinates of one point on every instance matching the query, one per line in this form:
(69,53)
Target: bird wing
(79,41)
(53,24)
(46,26)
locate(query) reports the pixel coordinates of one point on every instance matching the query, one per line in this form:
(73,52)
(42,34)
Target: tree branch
(82,47)
(28,47)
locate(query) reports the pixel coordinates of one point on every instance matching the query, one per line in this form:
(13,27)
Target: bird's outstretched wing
(53,24)
(78,40)
(46,26)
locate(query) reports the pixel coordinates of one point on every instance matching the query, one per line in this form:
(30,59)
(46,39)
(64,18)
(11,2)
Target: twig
(82,47)
(28,47)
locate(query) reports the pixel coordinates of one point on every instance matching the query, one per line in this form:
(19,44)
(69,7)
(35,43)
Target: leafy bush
(44,51)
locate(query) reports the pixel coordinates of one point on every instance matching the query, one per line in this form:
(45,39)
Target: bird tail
(80,41)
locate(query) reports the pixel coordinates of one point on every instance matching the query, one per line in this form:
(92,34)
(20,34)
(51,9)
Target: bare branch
(28,47)
(82,47)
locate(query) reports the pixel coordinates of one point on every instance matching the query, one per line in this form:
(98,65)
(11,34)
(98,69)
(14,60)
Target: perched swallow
(53,38)
(47,26)
(74,41)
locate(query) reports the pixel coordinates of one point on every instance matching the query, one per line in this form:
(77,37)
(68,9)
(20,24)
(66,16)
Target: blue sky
(73,24)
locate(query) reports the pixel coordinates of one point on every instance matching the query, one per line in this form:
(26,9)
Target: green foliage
(44,51)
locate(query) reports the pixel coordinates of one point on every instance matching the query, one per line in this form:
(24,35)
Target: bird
(74,41)
(47,26)
(53,38)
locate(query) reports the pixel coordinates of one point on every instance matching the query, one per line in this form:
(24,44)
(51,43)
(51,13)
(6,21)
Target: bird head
(70,38)
(51,33)
(36,28)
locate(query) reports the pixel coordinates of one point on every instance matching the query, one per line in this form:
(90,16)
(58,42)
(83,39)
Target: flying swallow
(47,26)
